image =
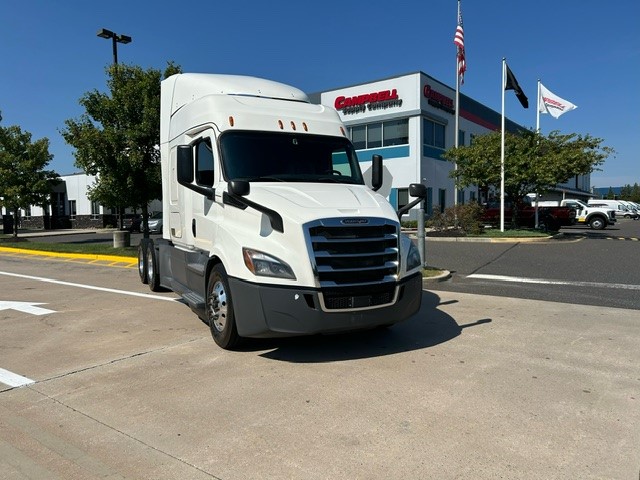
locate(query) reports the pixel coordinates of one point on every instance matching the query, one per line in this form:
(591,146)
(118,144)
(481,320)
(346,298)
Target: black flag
(512,84)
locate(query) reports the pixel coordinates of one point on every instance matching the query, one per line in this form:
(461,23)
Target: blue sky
(585,51)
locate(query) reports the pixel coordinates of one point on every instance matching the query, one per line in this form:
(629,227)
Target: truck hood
(303,202)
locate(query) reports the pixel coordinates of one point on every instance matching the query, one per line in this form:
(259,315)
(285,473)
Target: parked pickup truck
(597,218)
(549,218)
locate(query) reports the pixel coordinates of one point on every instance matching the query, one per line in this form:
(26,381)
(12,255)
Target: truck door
(207,174)
(189,208)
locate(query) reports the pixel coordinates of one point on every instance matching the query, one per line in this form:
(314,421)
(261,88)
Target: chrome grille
(354,254)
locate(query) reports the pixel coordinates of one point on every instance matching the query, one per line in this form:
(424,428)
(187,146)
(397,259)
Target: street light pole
(115,39)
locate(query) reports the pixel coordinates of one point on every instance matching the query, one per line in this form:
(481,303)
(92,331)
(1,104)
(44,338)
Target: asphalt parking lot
(128,384)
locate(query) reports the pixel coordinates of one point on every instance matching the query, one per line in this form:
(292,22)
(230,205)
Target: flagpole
(504,70)
(538,109)
(457,129)
(537,223)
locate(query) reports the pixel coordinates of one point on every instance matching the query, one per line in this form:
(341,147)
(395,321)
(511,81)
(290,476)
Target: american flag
(458,40)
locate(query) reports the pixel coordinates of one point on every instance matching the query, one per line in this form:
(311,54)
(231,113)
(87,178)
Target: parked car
(155,223)
(132,222)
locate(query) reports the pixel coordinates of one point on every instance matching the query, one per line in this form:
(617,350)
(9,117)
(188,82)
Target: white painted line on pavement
(507,278)
(13,379)
(26,307)
(89,287)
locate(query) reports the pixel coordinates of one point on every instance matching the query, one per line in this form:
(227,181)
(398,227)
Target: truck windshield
(288,157)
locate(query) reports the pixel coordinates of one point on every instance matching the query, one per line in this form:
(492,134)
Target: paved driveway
(127,384)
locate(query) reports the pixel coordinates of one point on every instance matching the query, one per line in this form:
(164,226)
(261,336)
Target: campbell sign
(438,100)
(369,101)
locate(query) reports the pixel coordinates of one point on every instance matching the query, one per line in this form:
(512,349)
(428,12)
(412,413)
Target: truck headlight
(259,263)
(413,257)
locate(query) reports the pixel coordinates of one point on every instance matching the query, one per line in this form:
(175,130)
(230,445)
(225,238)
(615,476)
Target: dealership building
(410,120)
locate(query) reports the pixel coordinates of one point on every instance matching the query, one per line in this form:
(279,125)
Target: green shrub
(468,219)
(410,224)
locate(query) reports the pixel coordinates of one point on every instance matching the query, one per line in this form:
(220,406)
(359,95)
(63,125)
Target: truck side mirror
(415,190)
(185,172)
(185,164)
(239,187)
(376,172)
(418,190)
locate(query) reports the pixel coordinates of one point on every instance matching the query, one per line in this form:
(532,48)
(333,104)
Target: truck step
(194,300)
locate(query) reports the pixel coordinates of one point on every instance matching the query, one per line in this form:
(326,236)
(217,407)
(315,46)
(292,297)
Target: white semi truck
(268,227)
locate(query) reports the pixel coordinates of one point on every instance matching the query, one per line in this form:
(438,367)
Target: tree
(533,162)
(630,193)
(117,138)
(625,192)
(23,178)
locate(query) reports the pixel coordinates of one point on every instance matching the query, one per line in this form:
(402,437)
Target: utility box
(7,224)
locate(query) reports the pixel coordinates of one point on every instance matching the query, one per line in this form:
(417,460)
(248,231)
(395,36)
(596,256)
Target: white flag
(553,104)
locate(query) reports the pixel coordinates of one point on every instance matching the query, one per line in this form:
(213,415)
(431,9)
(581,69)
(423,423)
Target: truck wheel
(153,277)
(597,223)
(220,315)
(142,260)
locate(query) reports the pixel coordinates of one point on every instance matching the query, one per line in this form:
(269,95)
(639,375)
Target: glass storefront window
(396,133)
(374,135)
(433,133)
(359,137)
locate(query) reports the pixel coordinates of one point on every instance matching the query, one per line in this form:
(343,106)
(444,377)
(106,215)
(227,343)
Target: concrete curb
(413,236)
(78,256)
(490,240)
(441,277)
(61,232)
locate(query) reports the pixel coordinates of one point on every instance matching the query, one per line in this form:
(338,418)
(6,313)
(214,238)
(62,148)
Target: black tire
(142,260)
(219,309)
(548,224)
(153,276)
(597,223)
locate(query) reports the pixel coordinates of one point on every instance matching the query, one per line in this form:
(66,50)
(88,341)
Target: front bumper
(268,311)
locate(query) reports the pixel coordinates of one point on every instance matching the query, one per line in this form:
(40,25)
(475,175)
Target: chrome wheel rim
(150,265)
(141,262)
(218,306)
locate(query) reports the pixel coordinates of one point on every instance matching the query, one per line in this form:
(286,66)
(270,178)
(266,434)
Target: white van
(620,206)
(633,209)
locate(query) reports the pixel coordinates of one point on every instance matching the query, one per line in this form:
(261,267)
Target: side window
(204,163)
(359,137)
(403,197)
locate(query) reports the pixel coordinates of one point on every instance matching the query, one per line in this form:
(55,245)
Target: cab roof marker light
(280,124)
(304,125)
(293,126)
(231,121)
